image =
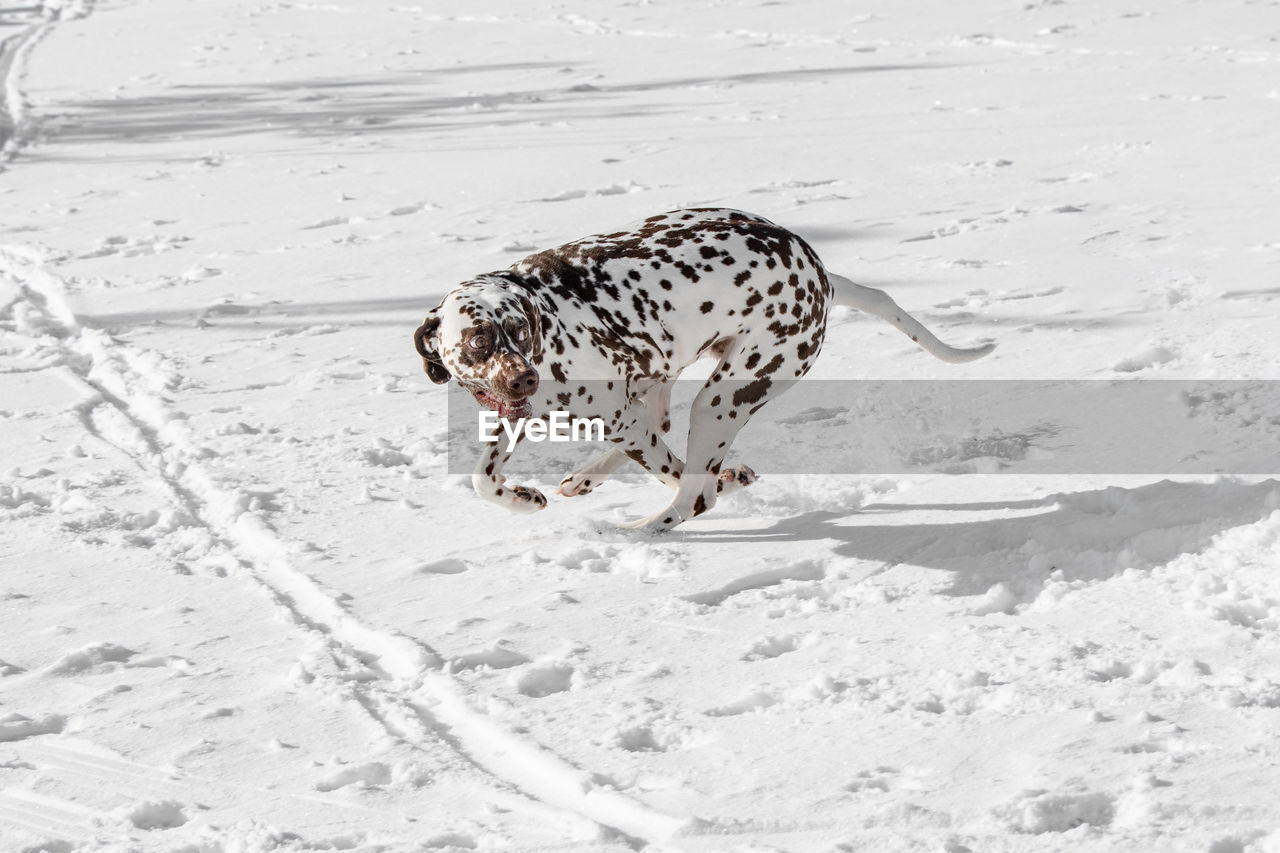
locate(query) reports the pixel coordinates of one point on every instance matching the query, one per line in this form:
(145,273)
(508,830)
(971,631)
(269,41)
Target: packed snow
(245,606)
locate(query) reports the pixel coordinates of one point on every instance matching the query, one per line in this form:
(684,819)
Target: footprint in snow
(447,566)
(493,657)
(611,189)
(165,814)
(90,657)
(1262,295)
(659,735)
(879,780)
(781,186)
(373,774)
(771,647)
(450,841)
(756,700)
(16,727)
(545,679)
(639,739)
(1153,357)
(407,209)
(588,559)
(328,223)
(386,455)
(1039,812)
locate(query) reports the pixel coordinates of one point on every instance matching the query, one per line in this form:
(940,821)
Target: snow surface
(244,608)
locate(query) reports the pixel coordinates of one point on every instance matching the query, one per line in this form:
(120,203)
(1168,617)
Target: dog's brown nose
(525,384)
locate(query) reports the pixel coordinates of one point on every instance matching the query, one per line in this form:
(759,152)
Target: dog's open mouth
(505,408)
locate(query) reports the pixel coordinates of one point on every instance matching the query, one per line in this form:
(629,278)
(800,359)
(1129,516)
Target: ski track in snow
(411,698)
(13,56)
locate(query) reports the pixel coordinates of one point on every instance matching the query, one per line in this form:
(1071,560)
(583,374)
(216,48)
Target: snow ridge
(410,696)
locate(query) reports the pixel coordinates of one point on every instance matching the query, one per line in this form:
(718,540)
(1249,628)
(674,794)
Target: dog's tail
(879,303)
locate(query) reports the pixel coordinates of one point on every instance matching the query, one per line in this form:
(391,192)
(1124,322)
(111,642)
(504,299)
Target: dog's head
(485,334)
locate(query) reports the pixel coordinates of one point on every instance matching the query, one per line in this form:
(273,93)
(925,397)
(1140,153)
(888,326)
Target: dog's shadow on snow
(1083,536)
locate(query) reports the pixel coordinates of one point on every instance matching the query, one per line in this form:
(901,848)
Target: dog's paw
(659,522)
(525,500)
(732,479)
(575,485)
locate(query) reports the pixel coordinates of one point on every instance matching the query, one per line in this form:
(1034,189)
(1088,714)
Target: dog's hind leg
(657,403)
(735,390)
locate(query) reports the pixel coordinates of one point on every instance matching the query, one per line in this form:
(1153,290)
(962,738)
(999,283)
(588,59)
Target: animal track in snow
(450,841)
(107,655)
(879,780)
(493,657)
(15,497)
(130,247)
(1074,178)
(1264,294)
(972,223)
(1038,812)
(611,189)
(755,700)
(1153,357)
(965,169)
(646,562)
(780,186)
(988,220)
(587,558)
(373,774)
(544,679)
(1110,671)
(973,300)
(14,727)
(386,455)
(772,647)
(807,570)
(659,735)
(330,223)
(447,566)
(407,209)
(165,814)
(639,739)
(7,668)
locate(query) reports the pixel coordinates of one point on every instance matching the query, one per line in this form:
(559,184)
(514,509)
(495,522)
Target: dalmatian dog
(601,327)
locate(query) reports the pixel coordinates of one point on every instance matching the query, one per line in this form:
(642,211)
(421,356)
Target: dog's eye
(522,335)
(479,342)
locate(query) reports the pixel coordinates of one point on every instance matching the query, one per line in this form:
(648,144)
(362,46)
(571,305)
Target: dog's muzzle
(520,408)
(514,403)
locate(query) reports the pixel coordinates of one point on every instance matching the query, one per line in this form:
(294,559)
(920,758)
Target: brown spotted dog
(634,308)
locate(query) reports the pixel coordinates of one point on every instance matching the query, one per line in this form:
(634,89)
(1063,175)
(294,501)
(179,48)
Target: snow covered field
(244,607)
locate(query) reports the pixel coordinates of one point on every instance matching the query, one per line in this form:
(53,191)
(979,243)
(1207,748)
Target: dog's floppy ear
(431,361)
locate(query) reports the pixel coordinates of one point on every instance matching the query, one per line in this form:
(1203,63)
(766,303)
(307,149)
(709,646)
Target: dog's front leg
(491,485)
(657,407)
